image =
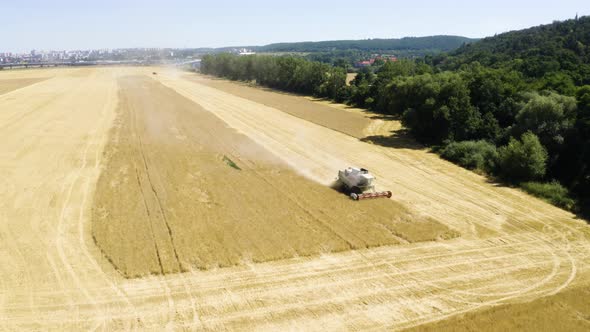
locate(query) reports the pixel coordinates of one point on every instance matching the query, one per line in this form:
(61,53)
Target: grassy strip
(552,192)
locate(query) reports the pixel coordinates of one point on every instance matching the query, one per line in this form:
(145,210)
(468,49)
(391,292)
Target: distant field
(7,85)
(350,77)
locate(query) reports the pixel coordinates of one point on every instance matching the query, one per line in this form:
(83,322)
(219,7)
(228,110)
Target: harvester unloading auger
(357,181)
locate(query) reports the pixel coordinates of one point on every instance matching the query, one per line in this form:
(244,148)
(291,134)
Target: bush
(553,192)
(523,160)
(480,155)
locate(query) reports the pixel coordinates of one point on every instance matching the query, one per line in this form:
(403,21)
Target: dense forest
(514,106)
(433,43)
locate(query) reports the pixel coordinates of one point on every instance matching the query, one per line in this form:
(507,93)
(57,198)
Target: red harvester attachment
(358,197)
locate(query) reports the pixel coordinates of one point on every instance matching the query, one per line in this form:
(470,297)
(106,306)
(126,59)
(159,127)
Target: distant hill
(434,43)
(558,47)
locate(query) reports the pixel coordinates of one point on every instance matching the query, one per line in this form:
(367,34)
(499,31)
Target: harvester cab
(358,181)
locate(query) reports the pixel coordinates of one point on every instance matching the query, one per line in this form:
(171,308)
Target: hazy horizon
(69,25)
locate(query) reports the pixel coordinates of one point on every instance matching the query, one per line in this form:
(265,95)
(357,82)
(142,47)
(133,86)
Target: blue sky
(68,24)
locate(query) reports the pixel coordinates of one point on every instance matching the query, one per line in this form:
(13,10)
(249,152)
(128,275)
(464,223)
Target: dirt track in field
(512,249)
(168,183)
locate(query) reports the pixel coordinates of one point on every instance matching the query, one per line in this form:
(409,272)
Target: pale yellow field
(56,135)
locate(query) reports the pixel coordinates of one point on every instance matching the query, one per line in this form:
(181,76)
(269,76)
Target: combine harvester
(358,180)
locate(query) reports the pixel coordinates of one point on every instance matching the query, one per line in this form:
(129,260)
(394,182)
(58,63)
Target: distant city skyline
(109,24)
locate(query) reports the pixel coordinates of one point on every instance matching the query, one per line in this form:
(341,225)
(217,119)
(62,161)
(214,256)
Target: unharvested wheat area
(169,199)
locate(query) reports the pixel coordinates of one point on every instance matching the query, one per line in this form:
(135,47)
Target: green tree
(523,160)
(334,83)
(583,121)
(581,160)
(559,82)
(386,74)
(494,92)
(549,117)
(360,87)
(342,63)
(435,107)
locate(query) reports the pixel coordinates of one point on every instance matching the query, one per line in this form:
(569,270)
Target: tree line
(524,127)
(287,73)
